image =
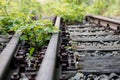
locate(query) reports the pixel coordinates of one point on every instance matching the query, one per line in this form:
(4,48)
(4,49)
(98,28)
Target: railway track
(4,40)
(83,51)
(17,64)
(90,51)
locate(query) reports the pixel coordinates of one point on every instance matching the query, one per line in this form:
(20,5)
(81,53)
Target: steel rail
(104,21)
(47,68)
(7,55)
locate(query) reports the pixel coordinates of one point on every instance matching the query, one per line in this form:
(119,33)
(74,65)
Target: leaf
(48,38)
(31,51)
(2,17)
(24,37)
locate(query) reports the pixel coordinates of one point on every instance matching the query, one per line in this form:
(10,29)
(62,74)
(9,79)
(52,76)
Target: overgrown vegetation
(16,12)
(37,33)
(75,10)
(24,16)
(112,9)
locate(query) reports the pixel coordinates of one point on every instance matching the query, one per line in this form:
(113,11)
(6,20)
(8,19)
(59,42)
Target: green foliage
(5,24)
(31,51)
(24,16)
(113,9)
(75,10)
(97,6)
(68,11)
(16,12)
(36,33)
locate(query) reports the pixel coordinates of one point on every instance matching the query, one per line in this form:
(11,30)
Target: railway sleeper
(82,60)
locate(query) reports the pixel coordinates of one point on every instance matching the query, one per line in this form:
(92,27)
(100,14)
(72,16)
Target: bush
(75,10)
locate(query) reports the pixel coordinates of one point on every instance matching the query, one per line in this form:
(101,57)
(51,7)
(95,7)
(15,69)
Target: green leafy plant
(36,33)
(70,12)
(31,52)
(75,10)
(15,13)
(97,7)
(24,16)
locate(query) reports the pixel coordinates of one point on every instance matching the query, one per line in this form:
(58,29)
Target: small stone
(114,76)
(103,77)
(78,76)
(91,77)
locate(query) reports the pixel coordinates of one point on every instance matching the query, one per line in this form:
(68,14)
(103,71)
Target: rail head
(47,68)
(104,21)
(7,55)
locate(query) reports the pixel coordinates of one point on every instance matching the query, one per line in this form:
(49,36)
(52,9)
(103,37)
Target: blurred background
(69,10)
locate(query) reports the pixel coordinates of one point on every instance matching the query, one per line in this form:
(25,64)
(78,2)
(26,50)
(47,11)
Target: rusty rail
(46,71)
(7,55)
(48,64)
(104,21)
